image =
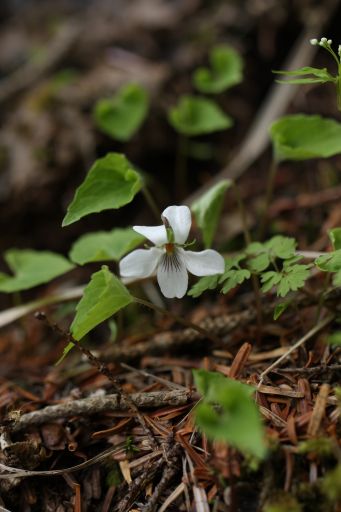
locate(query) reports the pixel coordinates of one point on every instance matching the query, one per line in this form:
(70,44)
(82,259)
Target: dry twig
(97,404)
(298,343)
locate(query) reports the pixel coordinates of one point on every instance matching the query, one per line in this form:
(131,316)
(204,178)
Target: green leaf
(335,237)
(226,71)
(321,76)
(302,137)
(207,210)
(280,308)
(234,277)
(329,262)
(102,298)
(111,183)
(282,247)
(32,268)
(294,279)
(261,255)
(303,81)
(270,279)
(237,420)
(282,502)
(331,485)
(233,261)
(196,116)
(104,245)
(259,263)
(291,278)
(337,279)
(321,446)
(334,339)
(204,283)
(121,116)
(255,248)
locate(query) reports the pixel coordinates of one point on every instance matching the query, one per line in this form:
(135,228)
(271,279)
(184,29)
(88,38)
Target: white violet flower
(168,260)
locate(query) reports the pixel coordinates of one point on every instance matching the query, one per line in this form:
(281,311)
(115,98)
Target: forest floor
(113,430)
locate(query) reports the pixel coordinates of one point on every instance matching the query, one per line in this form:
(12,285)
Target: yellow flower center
(169,248)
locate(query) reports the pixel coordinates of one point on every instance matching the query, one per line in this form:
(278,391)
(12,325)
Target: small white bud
(329,41)
(339,50)
(314,42)
(323,40)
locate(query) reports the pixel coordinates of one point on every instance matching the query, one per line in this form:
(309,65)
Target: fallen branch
(98,404)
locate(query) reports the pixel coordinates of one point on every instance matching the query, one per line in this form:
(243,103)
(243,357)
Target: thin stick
(165,382)
(104,370)
(298,343)
(19,472)
(178,319)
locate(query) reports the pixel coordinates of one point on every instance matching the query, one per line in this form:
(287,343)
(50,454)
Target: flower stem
(268,197)
(338,90)
(181,167)
(151,202)
(179,319)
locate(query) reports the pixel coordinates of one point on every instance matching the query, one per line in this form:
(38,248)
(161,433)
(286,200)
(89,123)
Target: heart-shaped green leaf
(31,268)
(121,116)
(302,137)
(330,262)
(104,245)
(226,70)
(196,116)
(207,210)
(111,182)
(335,237)
(102,298)
(238,421)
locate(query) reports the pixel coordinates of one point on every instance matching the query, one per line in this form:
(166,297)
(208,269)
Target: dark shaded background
(58,58)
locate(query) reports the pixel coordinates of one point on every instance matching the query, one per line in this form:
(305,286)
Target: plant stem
(268,197)
(338,90)
(256,291)
(181,167)
(151,202)
(248,240)
(325,286)
(178,319)
(241,208)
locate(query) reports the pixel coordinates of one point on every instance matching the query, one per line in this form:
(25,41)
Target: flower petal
(140,263)
(204,263)
(172,277)
(179,218)
(156,234)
